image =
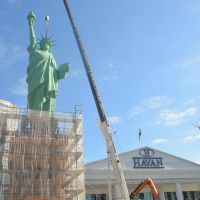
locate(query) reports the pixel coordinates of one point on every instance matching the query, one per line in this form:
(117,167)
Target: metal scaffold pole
(117,168)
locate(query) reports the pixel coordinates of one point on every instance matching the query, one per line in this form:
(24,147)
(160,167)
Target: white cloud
(21,88)
(111,65)
(192,138)
(9,55)
(136,111)
(189,102)
(160,141)
(111,72)
(76,72)
(187,64)
(111,77)
(114,120)
(173,118)
(156,102)
(153,102)
(192,62)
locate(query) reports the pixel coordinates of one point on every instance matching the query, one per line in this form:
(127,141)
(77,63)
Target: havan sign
(147,159)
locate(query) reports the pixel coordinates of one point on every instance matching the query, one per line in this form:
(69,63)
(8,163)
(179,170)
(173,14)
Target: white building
(175,177)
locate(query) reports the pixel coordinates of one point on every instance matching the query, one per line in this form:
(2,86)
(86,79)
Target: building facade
(174,177)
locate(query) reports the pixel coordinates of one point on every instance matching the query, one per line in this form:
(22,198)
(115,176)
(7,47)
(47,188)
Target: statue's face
(44,45)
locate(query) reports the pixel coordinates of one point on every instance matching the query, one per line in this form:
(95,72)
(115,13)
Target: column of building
(179,194)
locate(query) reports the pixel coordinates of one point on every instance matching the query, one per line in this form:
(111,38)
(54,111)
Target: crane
(147,181)
(117,168)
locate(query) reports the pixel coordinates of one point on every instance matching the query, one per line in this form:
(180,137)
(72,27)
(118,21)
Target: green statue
(42,72)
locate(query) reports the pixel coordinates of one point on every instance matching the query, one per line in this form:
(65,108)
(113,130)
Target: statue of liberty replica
(42,72)
(38,148)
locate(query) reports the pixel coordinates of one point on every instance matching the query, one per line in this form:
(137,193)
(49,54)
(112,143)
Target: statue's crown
(49,40)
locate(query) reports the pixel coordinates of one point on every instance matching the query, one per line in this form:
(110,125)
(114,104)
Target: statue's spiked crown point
(49,40)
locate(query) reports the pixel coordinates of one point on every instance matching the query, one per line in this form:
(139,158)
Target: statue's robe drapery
(42,79)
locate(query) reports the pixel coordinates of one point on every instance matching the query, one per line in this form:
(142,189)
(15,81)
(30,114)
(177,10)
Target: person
(42,72)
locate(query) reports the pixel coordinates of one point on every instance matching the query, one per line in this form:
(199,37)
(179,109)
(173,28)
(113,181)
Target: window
(96,197)
(170,196)
(191,195)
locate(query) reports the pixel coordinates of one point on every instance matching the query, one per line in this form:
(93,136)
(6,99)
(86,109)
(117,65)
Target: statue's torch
(31,18)
(46,23)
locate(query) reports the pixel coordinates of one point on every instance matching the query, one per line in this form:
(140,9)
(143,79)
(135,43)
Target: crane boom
(117,168)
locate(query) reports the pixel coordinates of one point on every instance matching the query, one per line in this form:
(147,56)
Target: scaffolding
(41,155)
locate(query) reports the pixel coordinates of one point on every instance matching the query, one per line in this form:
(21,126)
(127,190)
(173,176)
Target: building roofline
(121,154)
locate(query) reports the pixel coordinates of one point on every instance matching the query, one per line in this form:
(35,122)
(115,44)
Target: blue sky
(145,57)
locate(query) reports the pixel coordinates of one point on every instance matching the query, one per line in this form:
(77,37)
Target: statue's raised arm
(31,18)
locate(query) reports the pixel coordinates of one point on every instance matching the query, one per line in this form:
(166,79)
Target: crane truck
(117,168)
(104,124)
